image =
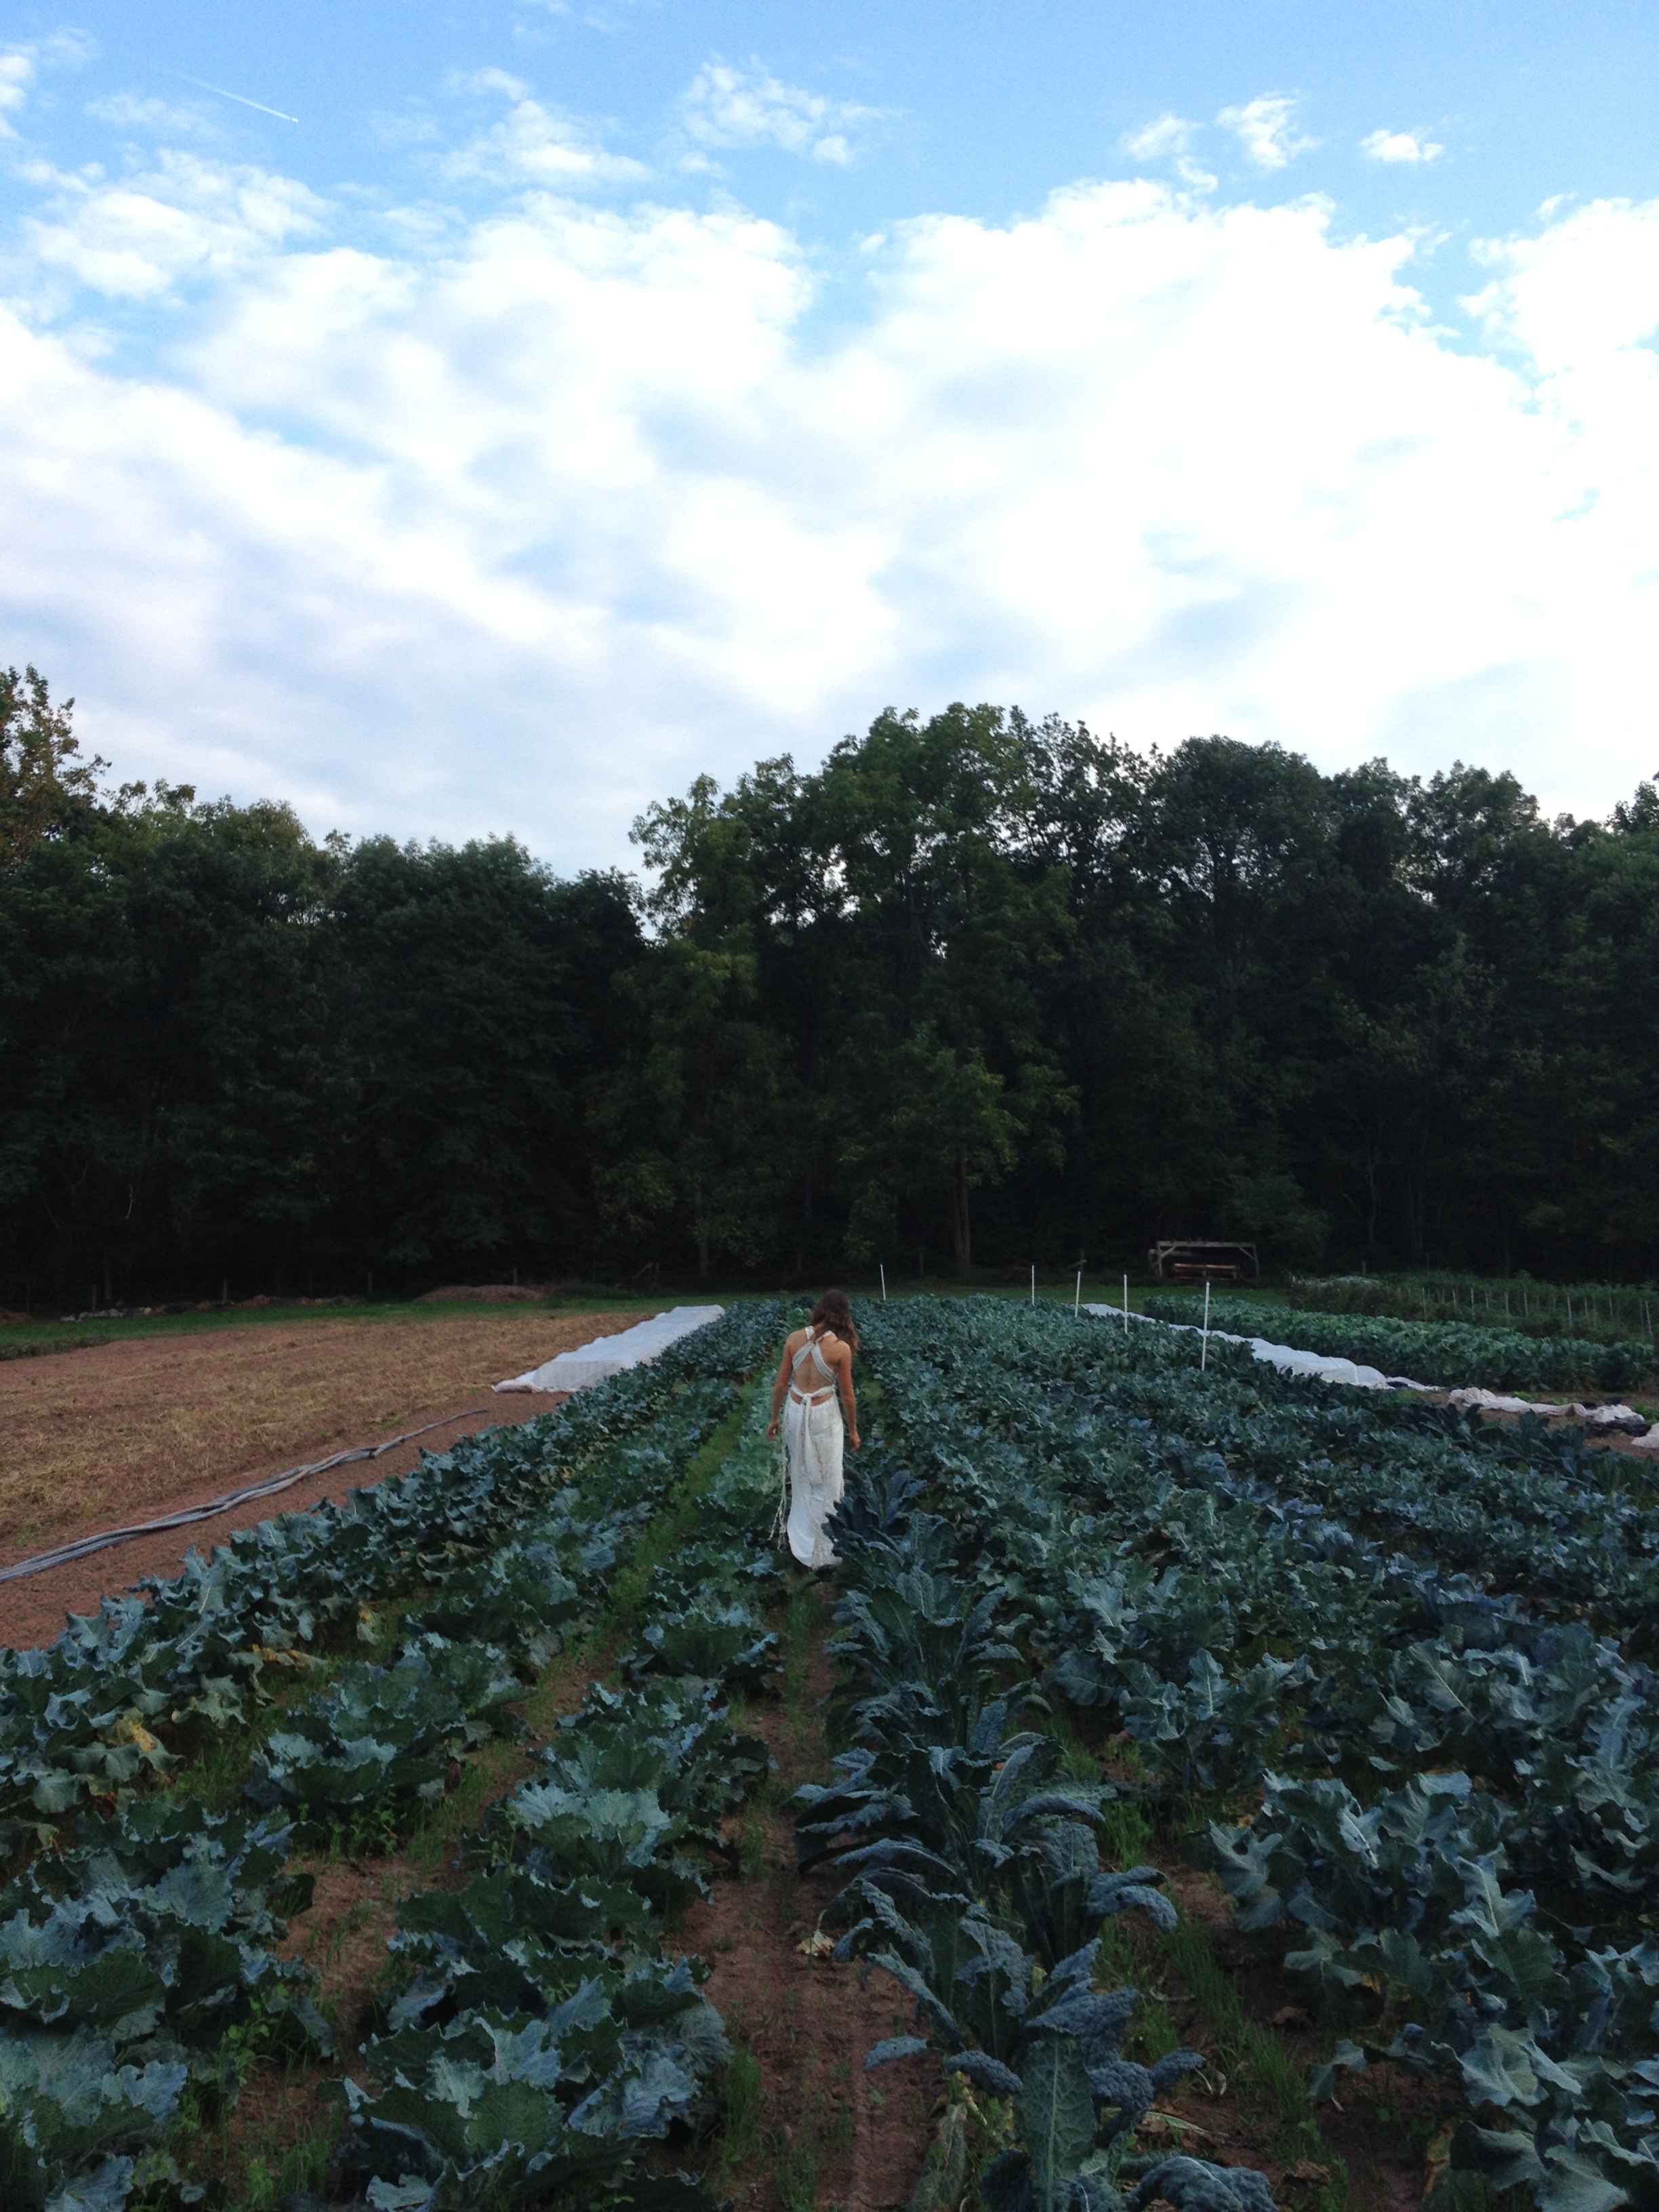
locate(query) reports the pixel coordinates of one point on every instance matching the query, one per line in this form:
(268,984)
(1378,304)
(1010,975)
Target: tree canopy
(979,988)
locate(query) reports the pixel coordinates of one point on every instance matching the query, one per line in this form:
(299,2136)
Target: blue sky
(571,398)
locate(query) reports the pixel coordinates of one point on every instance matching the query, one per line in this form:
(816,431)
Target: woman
(817,1363)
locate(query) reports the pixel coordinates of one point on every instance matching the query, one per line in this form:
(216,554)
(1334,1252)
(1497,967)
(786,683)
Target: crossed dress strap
(810,1397)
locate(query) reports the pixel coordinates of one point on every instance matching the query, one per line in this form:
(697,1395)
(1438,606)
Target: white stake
(1076,1302)
(1034,1282)
(1126,1305)
(1204,1354)
(882,1265)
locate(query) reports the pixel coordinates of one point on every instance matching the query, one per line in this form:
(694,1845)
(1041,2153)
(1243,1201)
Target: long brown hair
(833,1312)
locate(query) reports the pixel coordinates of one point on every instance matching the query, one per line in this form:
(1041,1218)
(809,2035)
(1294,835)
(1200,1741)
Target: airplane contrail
(202,85)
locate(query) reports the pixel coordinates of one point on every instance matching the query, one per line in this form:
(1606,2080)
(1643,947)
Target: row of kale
(540,2046)
(134,1946)
(1513,1509)
(84,1716)
(975,1879)
(1226,1622)
(1219,1615)
(1452,1355)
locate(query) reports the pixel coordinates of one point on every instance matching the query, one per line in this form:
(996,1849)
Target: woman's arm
(785,1368)
(849,1404)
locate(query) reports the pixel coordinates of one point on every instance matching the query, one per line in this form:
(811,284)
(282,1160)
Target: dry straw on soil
(121,1432)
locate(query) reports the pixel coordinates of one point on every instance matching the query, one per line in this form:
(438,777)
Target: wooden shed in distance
(1203,1260)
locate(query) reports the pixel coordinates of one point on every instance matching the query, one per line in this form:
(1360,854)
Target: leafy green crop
(1422,1640)
(381,1739)
(143,1933)
(537,2046)
(1453,1355)
(977,1879)
(502,2110)
(123,1965)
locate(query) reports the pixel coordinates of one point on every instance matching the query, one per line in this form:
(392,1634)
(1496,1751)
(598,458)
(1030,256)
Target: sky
(482,419)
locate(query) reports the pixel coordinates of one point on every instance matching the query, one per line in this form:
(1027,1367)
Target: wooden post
(1076,1301)
(884,1281)
(1034,1282)
(1204,1350)
(1126,1305)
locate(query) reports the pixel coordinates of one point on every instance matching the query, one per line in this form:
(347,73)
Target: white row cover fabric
(1283,1355)
(612,1355)
(1290,1361)
(1625,1418)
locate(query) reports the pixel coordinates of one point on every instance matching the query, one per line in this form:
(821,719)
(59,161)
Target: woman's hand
(772,1430)
(853,1438)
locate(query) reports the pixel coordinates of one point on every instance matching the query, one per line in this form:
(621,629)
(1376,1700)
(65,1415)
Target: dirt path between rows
(95,1439)
(826,2132)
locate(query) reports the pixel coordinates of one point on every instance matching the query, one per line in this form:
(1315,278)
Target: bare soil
(828,2133)
(1379,2125)
(286,2107)
(133,1431)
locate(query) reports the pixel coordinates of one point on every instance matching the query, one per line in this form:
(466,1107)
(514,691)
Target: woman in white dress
(817,1369)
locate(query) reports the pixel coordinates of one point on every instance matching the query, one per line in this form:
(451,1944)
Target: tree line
(980,990)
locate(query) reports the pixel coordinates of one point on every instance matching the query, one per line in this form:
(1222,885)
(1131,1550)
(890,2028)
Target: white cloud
(608,16)
(1406,146)
(1266,129)
(534,145)
(20,64)
(726,107)
(1168,137)
(17,75)
(1154,142)
(143,116)
(488,81)
(578,502)
(1581,296)
(188,218)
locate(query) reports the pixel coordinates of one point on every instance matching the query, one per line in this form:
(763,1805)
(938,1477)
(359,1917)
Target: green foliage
(137,1967)
(1450,1354)
(1366,1617)
(977,1879)
(504,2112)
(127,1968)
(46,788)
(382,1739)
(537,2046)
(975,985)
(78,1719)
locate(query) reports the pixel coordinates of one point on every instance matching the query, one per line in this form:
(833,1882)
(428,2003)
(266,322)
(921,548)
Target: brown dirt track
(131,1432)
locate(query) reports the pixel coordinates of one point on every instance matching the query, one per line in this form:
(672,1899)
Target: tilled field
(131,1432)
(528,1735)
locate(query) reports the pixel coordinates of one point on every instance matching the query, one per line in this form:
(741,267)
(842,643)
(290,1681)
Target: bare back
(815,1364)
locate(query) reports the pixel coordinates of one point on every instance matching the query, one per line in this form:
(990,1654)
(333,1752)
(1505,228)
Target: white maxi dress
(815,1439)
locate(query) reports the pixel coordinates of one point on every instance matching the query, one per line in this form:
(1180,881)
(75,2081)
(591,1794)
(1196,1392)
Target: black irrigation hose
(85,1545)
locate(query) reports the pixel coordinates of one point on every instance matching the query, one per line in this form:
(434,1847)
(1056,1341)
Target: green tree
(474,1004)
(43,783)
